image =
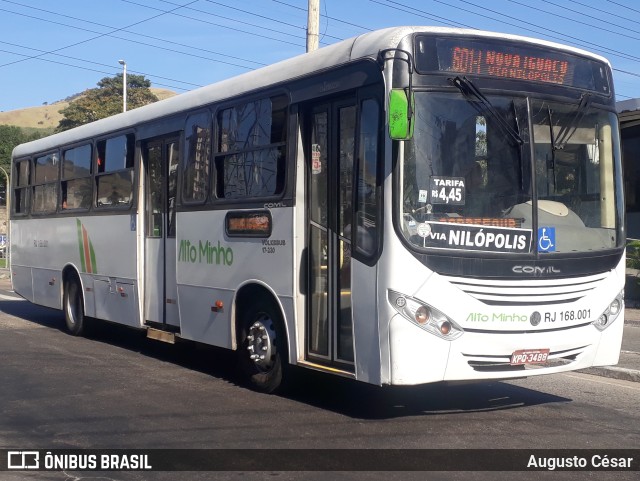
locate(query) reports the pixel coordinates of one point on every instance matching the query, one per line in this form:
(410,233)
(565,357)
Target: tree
(106,100)
(10,137)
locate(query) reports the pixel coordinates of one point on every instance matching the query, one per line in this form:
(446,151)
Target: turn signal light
(422,315)
(445,328)
(425,316)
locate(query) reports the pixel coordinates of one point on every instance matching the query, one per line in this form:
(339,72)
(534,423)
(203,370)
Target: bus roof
(364,46)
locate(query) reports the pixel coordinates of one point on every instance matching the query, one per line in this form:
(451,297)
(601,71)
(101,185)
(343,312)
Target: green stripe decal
(93,258)
(81,246)
(87,254)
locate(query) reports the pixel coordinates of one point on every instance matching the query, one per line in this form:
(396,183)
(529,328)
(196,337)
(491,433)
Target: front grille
(501,363)
(530,292)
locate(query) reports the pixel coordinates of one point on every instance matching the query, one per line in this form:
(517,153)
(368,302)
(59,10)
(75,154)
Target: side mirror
(400,115)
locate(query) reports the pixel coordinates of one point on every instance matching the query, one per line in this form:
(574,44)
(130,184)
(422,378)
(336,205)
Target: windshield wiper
(468,89)
(567,131)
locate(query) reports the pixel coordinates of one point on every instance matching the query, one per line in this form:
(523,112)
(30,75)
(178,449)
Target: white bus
(409,206)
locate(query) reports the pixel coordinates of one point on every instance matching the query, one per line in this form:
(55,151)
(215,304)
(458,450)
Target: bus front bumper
(419,357)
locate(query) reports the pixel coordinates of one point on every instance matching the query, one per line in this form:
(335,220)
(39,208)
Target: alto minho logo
(205,252)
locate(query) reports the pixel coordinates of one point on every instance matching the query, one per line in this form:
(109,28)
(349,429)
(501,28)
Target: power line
(99,36)
(259,16)
(608,50)
(538,9)
(543,30)
(96,63)
(627,72)
(326,16)
(164,49)
(213,24)
(138,34)
(523,25)
(600,10)
(422,13)
(86,68)
(624,6)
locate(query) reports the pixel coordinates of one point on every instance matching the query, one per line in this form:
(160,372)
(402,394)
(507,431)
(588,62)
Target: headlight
(425,316)
(610,314)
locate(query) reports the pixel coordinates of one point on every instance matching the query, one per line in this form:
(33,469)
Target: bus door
(161,157)
(330,144)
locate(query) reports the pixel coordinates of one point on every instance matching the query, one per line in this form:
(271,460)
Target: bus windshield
(468,176)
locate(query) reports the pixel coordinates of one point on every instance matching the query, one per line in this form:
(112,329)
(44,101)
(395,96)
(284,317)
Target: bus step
(159,335)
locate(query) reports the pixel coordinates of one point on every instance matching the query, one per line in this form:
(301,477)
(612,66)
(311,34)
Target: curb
(613,372)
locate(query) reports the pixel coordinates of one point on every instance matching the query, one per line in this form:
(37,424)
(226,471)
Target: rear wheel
(74,307)
(262,348)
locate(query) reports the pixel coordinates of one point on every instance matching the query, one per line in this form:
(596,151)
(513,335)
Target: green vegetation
(633,255)
(10,136)
(106,100)
(24,125)
(37,133)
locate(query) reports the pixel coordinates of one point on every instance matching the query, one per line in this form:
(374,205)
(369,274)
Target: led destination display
(510,59)
(515,66)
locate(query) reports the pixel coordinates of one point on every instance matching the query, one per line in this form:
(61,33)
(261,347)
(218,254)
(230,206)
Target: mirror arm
(405,108)
(383,58)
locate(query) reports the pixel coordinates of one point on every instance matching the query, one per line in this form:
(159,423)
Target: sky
(52,50)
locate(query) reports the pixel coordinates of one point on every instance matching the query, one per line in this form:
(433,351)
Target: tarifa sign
(205,253)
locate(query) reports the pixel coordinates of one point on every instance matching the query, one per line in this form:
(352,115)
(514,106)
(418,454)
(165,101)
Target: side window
(367,196)
(250,154)
(195,168)
(45,183)
(631,152)
(114,171)
(76,178)
(21,187)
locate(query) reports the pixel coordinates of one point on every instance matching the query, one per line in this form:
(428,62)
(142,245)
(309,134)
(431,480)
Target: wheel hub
(261,343)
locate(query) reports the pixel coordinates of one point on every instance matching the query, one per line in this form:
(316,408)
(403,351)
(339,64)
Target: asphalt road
(116,389)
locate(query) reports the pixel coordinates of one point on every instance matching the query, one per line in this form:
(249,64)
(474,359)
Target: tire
(74,307)
(262,348)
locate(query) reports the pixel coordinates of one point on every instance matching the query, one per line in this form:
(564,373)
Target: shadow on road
(359,400)
(344,396)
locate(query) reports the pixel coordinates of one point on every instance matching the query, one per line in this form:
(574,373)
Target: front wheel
(262,348)
(74,307)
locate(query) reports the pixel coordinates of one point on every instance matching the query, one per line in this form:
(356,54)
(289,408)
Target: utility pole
(124,84)
(313,25)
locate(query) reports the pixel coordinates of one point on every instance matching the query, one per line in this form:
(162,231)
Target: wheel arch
(70,271)
(245,297)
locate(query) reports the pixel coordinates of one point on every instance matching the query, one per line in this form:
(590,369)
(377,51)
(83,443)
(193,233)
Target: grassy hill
(43,117)
(47,117)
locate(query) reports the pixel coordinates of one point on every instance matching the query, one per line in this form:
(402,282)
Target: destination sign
(509,59)
(495,63)
(445,235)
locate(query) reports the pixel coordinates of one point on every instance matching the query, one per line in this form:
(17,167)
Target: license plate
(529,356)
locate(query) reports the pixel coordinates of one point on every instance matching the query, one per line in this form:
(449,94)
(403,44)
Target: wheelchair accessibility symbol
(546,239)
